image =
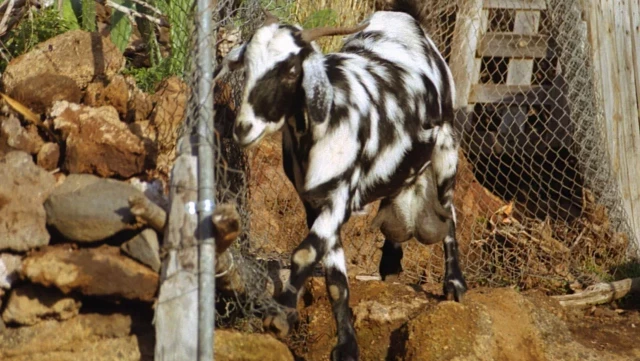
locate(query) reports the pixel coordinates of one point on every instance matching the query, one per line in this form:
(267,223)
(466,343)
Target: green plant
(31,30)
(148,78)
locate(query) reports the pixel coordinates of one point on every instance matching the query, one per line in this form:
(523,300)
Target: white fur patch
(332,155)
(335,259)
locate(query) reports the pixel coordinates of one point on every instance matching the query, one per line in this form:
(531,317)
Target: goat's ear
(233,61)
(317,88)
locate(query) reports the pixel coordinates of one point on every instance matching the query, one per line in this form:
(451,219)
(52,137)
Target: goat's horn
(310,35)
(269,17)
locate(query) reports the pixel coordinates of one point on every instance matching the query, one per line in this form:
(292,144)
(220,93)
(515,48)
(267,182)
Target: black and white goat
(373,121)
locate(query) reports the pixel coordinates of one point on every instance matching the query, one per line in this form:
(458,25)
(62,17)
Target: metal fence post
(206,182)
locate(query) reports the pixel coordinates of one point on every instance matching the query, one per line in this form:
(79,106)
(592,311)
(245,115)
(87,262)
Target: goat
(371,122)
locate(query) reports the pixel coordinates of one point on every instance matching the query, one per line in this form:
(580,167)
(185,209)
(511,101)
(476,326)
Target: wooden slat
(466,34)
(610,37)
(515,4)
(634,12)
(520,70)
(496,93)
(514,45)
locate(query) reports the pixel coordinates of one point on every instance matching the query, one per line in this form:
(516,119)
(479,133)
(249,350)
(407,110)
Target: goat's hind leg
(444,165)
(391,261)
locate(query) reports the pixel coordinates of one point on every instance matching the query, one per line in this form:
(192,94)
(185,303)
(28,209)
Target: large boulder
(86,208)
(101,271)
(76,54)
(24,189)
(97,141)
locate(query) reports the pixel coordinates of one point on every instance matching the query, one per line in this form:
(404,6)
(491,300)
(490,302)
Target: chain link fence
(537,203)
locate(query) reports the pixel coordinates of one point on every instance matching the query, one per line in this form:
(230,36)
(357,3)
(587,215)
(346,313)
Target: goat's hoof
(281,322)
(454,288)
(347,351)
(391,278)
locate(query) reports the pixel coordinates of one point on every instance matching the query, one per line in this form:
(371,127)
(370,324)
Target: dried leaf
(22,109)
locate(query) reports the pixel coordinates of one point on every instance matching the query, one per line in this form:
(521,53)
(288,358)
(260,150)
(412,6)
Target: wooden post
(466,36)
(176,312)
(614,46)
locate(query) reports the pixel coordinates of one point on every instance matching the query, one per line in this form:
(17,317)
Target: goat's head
(279,61)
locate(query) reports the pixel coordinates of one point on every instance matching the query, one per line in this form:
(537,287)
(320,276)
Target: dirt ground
(399,322)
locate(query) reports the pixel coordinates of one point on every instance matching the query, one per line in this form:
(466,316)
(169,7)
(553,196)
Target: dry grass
(332,12)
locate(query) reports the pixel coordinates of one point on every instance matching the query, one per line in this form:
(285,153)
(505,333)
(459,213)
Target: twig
(600,293)
(149,212)
(5,17)
(132,13)
(148,6)
(227,224)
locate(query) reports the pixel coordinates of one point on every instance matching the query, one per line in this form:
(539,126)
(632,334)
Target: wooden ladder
(471,42)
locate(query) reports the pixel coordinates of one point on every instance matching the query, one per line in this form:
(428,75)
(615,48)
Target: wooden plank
(496,93)
(516,4)
(477,62)
(466,34)
(634,13)
(520,70)
(609,33)
(628,111)
(514,46)
(176,311)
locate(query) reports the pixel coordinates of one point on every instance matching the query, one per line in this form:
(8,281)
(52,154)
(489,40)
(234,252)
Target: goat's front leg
(338,290)
(322,243)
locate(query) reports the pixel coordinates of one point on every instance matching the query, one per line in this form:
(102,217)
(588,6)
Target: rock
(24,189)
(97,141)
(154,190)
(236,346)
(144,247)
(76,54)
(10,265)
(140,106)
(92,337)
(495,325)
(169,113)
(86,208)
(19,138)
(115,94)
(31,304)
(38,93)
(49,156)
(101,271)
(147,132)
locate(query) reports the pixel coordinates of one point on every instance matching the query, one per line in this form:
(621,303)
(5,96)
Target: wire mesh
(537,204)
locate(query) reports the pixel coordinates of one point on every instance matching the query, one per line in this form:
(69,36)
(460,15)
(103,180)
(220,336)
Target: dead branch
(600,293)
(5,17)
(227,225)
(148,212)
(132,13)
